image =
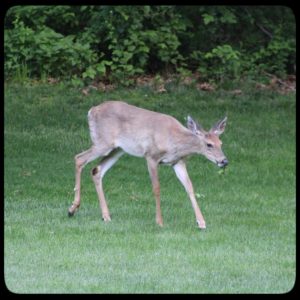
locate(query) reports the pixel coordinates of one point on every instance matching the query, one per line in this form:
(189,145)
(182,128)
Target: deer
(117,127)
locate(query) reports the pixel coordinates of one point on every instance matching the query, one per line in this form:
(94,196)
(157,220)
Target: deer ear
(193,126)
(219,127)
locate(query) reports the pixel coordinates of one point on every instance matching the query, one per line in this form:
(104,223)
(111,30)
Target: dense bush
(117,43)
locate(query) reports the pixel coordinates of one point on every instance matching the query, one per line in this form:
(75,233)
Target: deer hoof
(201,225)
(70,213)
(72,209)
(160,223)
(106,218)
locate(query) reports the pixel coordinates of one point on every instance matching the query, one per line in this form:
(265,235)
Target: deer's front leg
(152,167)
(182,174)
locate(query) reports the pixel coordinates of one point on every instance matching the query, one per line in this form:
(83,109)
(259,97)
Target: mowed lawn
(248,246)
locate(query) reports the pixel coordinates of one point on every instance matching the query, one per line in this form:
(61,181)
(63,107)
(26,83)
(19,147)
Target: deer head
(210,141)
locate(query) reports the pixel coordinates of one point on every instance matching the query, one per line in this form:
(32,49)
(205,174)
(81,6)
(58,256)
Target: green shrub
(220,62)
(44,51)
(118,43)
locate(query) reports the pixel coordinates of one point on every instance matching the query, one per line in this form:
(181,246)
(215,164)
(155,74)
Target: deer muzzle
(223,163)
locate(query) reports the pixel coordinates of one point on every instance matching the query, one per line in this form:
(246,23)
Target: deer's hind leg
(98,174)
(81,160)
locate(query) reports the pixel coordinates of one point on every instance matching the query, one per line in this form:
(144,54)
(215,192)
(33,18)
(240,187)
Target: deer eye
(209,145)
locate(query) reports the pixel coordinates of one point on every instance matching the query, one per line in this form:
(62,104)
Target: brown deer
(117,128)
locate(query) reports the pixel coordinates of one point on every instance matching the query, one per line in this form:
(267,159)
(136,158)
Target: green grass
(249,243)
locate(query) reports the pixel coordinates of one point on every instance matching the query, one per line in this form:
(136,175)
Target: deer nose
(224,162)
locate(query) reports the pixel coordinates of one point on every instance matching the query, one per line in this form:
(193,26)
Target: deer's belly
(131,147)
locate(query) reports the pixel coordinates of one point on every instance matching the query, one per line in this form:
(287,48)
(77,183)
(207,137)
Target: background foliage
(119,43)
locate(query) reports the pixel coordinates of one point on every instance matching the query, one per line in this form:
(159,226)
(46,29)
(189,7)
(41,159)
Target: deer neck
(190,144)
(185,145)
